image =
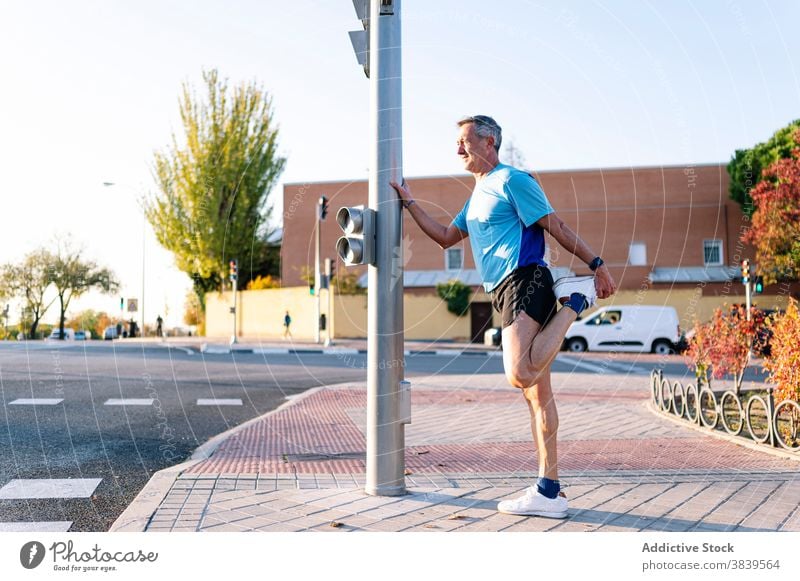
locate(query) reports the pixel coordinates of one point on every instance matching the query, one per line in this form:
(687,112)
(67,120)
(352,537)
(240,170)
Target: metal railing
(750,414)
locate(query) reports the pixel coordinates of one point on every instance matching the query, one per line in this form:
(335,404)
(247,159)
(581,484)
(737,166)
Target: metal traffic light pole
(385,361)
(373,237)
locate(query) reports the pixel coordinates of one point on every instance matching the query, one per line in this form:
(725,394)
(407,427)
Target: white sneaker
(533,503)
(567,285)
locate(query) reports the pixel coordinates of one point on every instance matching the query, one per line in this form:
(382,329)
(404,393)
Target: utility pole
(322,212)
(329,288)
(746,282)
(234,276)
(379,231)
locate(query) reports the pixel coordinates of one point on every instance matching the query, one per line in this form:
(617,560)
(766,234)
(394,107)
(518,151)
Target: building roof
(694,274)
(470,277)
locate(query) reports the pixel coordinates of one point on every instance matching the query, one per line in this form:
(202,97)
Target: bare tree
(72,276)
(29,281)
(513,156)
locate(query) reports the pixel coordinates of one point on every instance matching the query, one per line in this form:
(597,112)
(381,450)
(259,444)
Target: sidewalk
(623,467)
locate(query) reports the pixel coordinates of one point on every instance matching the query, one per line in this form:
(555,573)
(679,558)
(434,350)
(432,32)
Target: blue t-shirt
(500,219)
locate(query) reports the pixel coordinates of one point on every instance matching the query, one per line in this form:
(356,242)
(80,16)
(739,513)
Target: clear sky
(89,92)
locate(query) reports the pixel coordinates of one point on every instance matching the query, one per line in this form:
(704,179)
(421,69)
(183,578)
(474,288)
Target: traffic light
(758,284)
(323,207)
(357,246)
(360,38)
(234,270)
(745,271)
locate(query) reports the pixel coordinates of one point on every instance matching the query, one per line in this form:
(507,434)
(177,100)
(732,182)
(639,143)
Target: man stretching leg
(506,217)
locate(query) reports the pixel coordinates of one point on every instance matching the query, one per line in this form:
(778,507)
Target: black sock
(548,488)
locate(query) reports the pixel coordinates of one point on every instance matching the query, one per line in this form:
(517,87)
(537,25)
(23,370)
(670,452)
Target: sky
(90,91)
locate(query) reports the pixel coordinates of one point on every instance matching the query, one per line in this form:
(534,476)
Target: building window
(712,252)
(454,259)
(637,254)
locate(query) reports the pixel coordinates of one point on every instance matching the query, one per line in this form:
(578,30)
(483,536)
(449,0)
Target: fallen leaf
(407,472)
(457,517)
(335,524)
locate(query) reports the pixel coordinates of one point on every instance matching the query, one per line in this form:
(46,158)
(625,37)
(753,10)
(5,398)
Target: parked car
(636,328)
(69,334)
(110,333)
(83,335)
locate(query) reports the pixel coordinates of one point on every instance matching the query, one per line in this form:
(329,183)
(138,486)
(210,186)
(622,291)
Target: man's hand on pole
(403,192)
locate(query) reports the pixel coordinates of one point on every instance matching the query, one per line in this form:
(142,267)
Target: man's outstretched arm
(570,241)
(443,235)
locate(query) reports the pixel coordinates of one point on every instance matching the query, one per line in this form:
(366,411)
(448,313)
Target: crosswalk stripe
(25,489)
(129,402)
(60,526)
(219,402)
(36,401)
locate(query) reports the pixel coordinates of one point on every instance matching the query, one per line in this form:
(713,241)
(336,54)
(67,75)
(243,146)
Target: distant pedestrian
(287,322)
(159,330)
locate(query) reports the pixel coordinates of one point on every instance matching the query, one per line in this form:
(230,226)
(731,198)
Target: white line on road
(49,488)
(129,402)
(37,401)
(219,402)
(604,367)
(60,526)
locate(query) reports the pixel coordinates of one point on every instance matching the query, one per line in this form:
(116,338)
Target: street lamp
(144,230)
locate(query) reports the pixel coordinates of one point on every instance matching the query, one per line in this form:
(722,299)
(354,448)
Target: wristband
(409,203)
(596,263)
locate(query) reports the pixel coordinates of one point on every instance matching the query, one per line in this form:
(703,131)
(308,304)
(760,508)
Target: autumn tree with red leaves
(783,363)
(724,344)
(775,230)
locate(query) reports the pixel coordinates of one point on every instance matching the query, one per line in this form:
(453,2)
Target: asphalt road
(82,437)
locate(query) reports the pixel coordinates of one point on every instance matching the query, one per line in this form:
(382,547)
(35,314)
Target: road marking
(49,488)
(61,526)
(582,364)
(605,367)
(36,401)
(129,402)
(269,351)
(184,349)
(219,402)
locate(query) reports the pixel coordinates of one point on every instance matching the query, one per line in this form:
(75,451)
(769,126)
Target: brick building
(659,229)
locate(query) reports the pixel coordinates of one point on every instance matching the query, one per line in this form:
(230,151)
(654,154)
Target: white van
(69,334)
(637,328)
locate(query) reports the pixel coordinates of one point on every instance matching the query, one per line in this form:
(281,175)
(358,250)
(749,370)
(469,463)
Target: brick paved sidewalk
(623,467)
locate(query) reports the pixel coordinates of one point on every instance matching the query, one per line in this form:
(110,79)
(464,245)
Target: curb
(212,350)
(136,517)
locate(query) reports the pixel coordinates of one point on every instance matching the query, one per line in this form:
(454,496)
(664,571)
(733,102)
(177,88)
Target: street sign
(133,305)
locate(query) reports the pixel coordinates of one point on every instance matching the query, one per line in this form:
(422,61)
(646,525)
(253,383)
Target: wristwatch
(596,263)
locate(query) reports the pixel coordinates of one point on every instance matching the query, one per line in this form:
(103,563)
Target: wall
(261,315)
(672,209)
(425,316)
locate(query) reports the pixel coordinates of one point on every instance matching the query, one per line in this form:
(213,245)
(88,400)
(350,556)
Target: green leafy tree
(456,294)
(72,276)
(29,281)
(746,167)
(214,184)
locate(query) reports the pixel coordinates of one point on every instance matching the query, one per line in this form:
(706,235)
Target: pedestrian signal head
(357,246)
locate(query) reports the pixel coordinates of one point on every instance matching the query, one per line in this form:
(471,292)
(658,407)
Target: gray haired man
(506,217)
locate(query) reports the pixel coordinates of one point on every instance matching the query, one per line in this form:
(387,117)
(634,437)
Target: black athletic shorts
(528,289)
